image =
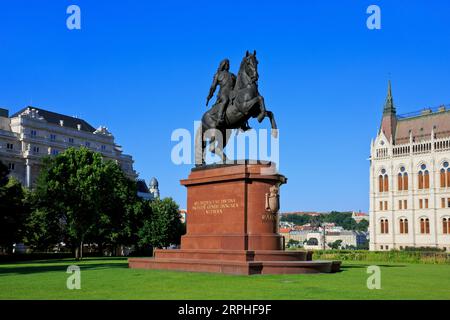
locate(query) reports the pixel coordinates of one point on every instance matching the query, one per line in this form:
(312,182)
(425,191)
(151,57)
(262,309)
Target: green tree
(67,198)
(80,198)
(335,245)
(342,219)
(363,246)
(362,226)
(12,210)
(122,213)
(292,243)
(165,227)
(296,219)
(3,174)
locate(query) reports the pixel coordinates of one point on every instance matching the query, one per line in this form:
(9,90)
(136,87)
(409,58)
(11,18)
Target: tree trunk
(77,252)
(81,250)
(100,249)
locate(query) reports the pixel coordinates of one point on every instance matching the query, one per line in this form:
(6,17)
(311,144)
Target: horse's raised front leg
(271,117)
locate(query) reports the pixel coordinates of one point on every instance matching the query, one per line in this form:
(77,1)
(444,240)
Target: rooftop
(424,112)
(416,126)
(142,186)
(421,124)
(55,118)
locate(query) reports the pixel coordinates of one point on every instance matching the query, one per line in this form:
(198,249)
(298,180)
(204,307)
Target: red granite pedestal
(229,229)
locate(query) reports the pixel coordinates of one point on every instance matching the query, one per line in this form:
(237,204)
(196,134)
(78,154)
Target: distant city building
(410,180)
(147,193)
(154,188)
(312,238)
(33,133)
(315,240)
(302,213)
(286,224)
(284,230)
(360,216)
(297,235)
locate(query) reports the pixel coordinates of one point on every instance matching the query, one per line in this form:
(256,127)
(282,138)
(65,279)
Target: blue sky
(143,68)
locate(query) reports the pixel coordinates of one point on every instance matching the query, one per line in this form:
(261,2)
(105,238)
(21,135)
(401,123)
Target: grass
(427,257)
(109,278)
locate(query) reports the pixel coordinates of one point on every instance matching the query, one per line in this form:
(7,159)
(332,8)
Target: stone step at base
(234,255)
(236,267)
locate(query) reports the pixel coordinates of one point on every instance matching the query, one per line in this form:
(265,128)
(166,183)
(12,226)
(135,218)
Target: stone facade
(349,238)
(297,235)
(32,133)
(410,180)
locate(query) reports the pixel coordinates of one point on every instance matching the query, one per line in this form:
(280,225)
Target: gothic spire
(389,104)
(389,120)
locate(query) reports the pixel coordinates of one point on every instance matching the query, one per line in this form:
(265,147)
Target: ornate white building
(410,180)
(148,193)
(32,133)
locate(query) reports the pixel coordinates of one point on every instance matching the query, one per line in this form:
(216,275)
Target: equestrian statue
(237,101)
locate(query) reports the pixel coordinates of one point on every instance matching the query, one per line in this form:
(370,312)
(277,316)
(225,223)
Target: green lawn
(111,279)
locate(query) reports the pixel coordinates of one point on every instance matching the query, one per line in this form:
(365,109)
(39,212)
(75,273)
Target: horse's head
(250,65)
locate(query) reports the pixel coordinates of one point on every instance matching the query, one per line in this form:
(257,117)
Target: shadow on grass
(63,260)
(364,266)
(62,266)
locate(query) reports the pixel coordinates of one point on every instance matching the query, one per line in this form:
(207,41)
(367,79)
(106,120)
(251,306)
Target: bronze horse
(245,103)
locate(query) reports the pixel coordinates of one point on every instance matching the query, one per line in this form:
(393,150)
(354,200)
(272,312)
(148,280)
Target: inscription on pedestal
(269,217)
(214,207)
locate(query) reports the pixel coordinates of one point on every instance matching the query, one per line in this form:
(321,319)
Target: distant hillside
(343,219)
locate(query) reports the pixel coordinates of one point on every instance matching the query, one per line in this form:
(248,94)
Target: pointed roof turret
(389,120)
(389,104)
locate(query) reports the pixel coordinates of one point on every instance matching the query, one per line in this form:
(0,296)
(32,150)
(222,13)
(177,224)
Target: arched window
(420,180)
(424,177)
(446,225)
(424,225)
(405,181)
(448,177)
(403,226)
(384,226)
(402,179)
(427,180)
(383,183)
(445,175)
